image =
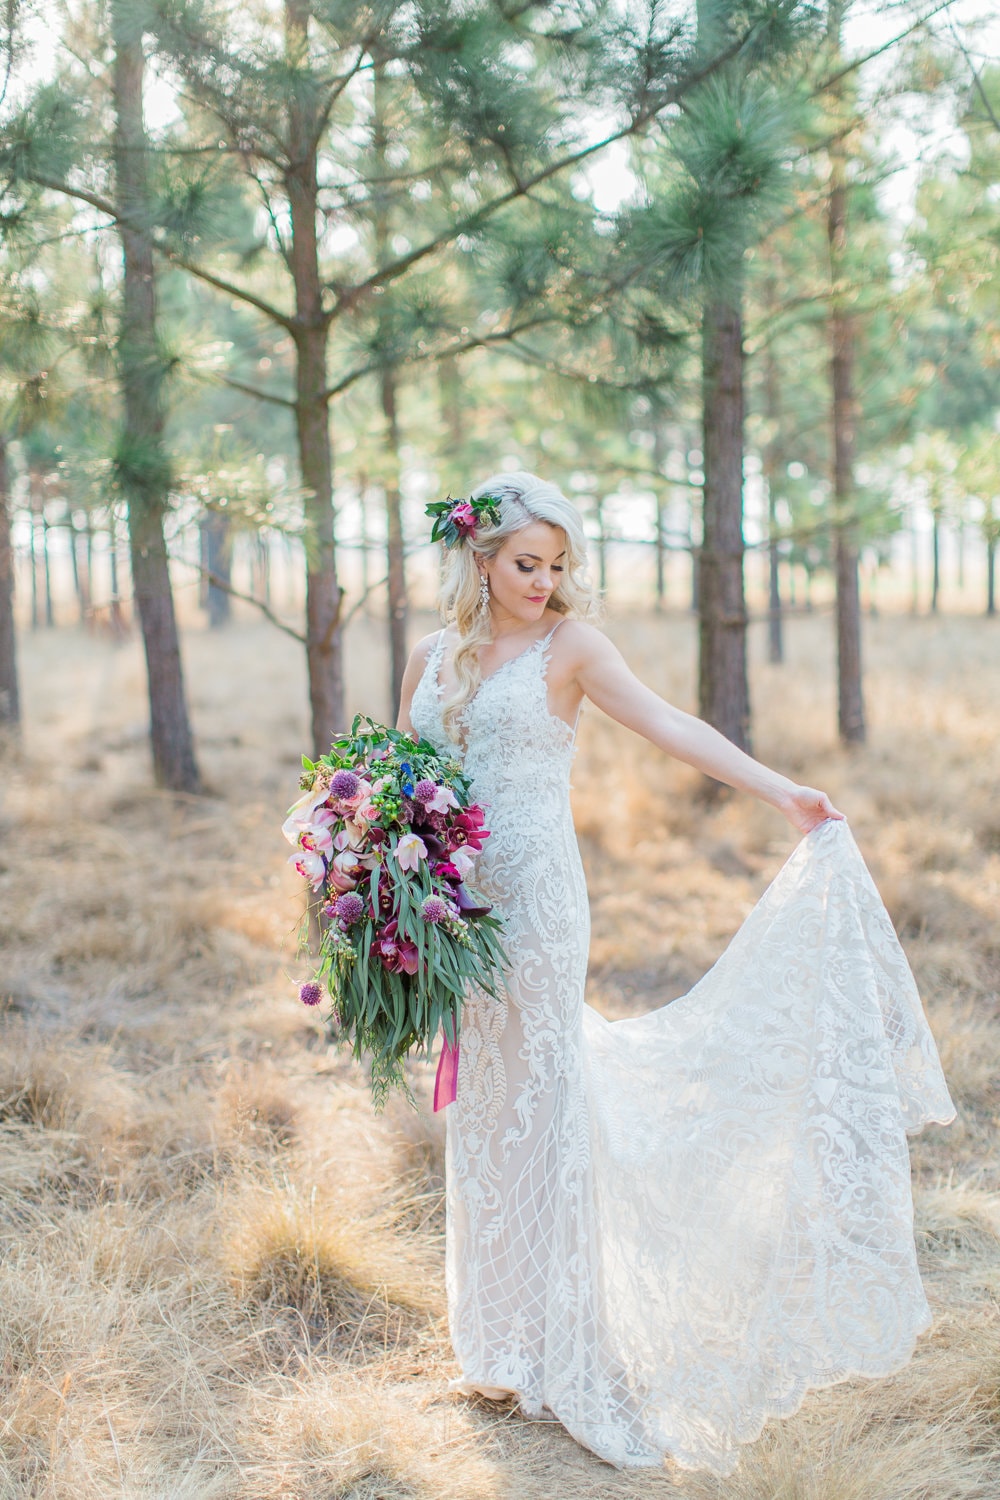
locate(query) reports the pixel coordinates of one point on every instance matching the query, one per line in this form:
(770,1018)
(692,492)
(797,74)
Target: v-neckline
(541,640)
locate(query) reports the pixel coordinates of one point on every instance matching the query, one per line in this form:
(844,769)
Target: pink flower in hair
(464,518)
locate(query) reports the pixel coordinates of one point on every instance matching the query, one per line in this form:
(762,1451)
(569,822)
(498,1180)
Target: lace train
(665,1229)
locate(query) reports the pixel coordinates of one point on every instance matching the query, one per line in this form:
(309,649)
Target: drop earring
(484,594)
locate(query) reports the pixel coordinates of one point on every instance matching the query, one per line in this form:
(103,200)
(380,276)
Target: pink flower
(463,861)
(351,804)
(442,801)
(367,813)
(464,518)
(345,871)
(410,851)
(316,840)
(310,865)
(302,813)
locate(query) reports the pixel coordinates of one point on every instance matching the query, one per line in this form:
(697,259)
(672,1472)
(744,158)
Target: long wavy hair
(524,498)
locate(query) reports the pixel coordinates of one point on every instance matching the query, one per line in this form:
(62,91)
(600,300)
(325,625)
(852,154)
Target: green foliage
(43,141)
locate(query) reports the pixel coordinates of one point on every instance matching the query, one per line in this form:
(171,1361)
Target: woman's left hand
(806,808)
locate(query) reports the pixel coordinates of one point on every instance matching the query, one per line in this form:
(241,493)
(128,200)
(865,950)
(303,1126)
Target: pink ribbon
(446,1080)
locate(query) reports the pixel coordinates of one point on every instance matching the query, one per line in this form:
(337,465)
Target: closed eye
(527,568)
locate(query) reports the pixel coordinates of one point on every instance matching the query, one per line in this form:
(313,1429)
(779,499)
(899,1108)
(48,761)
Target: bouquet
(386,834)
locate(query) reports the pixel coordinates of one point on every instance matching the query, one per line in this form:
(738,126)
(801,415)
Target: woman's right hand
(806,808)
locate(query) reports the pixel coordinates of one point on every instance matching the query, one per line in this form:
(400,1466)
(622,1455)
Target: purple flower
(434,909)
(310,993)
(350,907)
(425,791)
(344,784)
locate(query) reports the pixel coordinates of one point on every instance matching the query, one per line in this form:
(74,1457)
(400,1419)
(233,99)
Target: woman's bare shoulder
(423,647)
(578,640)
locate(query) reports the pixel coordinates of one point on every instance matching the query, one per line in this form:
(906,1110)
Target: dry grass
(222,1277)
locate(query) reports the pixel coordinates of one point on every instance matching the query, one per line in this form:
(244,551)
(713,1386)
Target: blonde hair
(524,498)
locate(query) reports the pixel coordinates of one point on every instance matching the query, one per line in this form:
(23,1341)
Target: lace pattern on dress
(665,1229)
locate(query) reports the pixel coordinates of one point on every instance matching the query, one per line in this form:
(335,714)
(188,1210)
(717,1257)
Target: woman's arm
(412,675)
(604,677)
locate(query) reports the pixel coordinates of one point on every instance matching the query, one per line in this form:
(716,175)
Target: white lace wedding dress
(664,1230)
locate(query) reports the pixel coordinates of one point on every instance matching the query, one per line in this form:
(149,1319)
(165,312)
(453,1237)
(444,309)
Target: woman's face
(525,573)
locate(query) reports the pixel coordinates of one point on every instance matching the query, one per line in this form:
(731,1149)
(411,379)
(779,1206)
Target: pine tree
(143,470)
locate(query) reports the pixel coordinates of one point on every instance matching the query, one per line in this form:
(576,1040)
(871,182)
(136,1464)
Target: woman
(661,1230)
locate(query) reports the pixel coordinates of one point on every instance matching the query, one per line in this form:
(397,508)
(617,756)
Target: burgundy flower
(467,828)
(386,904)
(397,953)
(467,906)
(446,871)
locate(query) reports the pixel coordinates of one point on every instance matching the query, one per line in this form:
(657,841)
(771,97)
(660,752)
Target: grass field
(222,1277)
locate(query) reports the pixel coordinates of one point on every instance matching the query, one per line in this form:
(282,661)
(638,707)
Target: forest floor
(223,1277)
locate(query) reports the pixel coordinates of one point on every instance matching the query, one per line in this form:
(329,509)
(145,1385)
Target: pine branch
(473,221)
(173,257)
(250,390)
(485,341)
(227,588)
(977,80)
(859,62)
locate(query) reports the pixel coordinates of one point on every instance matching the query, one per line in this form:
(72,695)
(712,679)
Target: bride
(661,1230)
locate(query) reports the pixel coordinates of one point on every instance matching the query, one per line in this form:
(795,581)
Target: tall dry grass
(222,1277)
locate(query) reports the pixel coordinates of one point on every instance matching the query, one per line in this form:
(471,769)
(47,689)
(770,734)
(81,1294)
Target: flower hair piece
(456,519)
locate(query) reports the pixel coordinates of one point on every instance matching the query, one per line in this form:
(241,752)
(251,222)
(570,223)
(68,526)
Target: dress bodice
(514,749)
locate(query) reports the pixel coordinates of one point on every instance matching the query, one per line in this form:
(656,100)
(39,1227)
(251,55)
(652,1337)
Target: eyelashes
(527,568)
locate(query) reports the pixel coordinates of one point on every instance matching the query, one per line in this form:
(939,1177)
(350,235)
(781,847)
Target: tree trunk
(75,565)
(935,559)
(659,536)
(602,549)
(991,565)
(723,694)
(33,552)
(312,418)
(850,700)
(395,543)
(142,461)
(771,462)
(217,559)
(50,618)
(10,703)
(450,389)
(363,536)
(395,555)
